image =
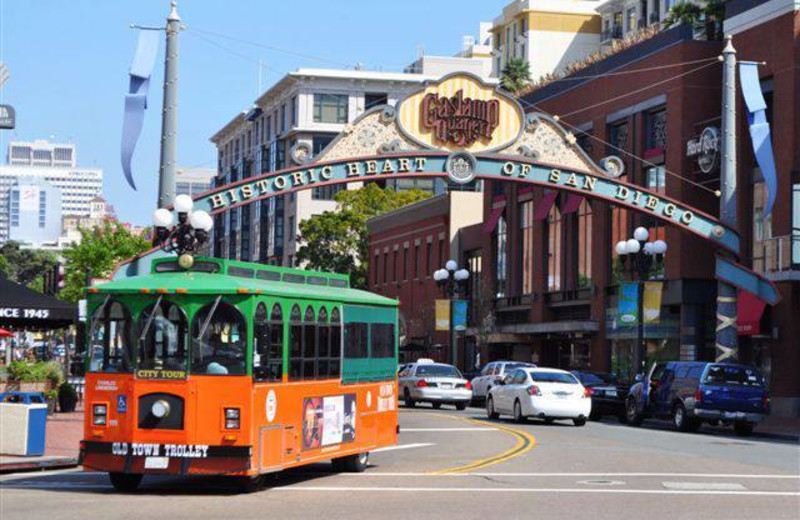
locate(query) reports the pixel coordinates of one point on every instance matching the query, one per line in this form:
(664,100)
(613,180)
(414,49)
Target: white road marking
(520,475)
(403,430)
(403,447)
(704,486)
(340,489)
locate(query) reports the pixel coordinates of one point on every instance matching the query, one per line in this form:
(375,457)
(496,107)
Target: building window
(584,244)
(618,137)
(441,253)
(501,257)
(474,261)
(385,267)
(375,268)
(293,113)
(526,230)
(374,100)
(630,19)
(764,250)
(657,130)
(291,227)
(395,258)
(330,108)
(620,230)
(417,261)
(429,257)
(554,246)
(283,118)
(584,140)
(320,143)
(405,264)
(656,178)
(326,192)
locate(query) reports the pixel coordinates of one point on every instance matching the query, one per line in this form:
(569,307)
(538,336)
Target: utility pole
(169,115)
(726,332)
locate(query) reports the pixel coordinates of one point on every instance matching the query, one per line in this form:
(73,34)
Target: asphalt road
(452,464)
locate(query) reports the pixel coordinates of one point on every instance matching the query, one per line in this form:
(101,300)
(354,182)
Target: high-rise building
(55,163)
(34,212)
(192,181)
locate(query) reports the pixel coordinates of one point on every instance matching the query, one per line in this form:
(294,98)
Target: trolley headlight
(231,418)
(99,414)
(160,409)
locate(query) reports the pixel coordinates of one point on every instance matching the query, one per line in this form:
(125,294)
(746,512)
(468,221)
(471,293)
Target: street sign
(8,117)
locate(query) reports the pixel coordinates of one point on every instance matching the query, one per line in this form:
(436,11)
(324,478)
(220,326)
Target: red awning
(749,309)
(5,333)
(572,204)
(494,218)
(544,207)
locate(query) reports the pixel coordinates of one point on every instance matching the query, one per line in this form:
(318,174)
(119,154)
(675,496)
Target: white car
(546,393)
(491,375)
(435,383)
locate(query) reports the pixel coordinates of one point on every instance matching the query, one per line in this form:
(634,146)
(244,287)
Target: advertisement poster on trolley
(328,420)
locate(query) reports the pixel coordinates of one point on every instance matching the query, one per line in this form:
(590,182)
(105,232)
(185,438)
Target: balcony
(613,33)
(778,258)
(654,18)
(513,309)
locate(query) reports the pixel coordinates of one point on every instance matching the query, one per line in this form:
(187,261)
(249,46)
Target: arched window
(554,246)
(323,343)
(110,338)
(584,244)
(334,365)
(501,257)
(309,343)
(219,338)
(276,343)
(268,343)
(162,337)
(296,343)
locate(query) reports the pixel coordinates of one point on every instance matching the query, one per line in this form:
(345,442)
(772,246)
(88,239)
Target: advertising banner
(460,314)
(442,314)
(651,305)
(628,309)
(328,420)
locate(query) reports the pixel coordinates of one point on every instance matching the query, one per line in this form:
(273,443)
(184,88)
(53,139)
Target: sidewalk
(787,428)
(64,432)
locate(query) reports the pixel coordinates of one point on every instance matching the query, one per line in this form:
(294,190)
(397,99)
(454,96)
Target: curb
(39,465)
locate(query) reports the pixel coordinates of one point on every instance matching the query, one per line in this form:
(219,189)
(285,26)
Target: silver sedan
(435,383)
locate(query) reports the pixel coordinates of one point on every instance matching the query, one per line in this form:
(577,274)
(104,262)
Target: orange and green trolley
(238,369)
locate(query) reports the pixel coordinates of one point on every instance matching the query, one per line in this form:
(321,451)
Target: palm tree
(682,13)
(516,75)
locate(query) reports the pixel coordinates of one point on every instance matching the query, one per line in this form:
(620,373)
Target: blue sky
(69,60)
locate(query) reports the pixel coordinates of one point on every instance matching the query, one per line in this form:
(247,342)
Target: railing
(613,33)
(778,255)
(654,18)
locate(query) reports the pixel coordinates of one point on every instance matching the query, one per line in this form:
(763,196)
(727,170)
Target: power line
(271,47)
(238,54)
(627,72)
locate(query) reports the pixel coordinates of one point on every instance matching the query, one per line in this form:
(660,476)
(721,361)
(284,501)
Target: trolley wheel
(125,482)
(249,484)
(352,463)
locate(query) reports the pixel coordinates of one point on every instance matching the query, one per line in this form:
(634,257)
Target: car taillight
(421,383)
(654,383)
(100,414)
(533,390)
(587,392)
(765,401)
(232,418)
(468,385)
(698,396)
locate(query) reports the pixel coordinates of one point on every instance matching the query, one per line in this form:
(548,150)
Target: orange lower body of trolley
(229,425)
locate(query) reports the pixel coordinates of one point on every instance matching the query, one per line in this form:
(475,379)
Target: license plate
(611,393)
(156,462)
(733,415)
(447,385)
(562,395)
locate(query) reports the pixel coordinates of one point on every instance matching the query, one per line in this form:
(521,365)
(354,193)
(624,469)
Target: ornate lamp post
(639,257)
(187,236)
(451,280)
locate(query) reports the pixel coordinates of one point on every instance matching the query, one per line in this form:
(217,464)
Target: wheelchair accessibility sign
(122,404)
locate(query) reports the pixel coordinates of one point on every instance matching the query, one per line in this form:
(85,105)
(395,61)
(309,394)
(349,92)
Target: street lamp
(451,279)
(639,257)
(187,236)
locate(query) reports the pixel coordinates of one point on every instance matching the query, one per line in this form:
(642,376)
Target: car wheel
(518,417)
(743,429)
(436,406)
(681,420)
(461,406)
(352,463)
(407,399)
(125,482)
(490,412)
(634,417)
(580,421)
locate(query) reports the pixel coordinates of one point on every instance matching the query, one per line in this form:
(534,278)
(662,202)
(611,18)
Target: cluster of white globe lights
(442,275)
(183,206)
(639,242)
(188,235)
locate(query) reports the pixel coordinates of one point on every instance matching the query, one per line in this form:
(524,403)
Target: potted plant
(67,398)
(51,397)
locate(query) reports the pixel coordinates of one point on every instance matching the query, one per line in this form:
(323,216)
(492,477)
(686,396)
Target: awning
(23,307)
(749,309)
(544,206)
(572,204)
(494,218)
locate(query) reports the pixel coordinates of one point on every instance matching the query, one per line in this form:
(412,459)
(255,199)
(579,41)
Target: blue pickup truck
(689,393)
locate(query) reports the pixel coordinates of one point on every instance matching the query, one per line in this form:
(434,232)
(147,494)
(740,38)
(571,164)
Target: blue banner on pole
(759,129)
(628,308)
(460,314)
(136,99)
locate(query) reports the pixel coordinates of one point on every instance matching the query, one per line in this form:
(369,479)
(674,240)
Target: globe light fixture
(451,265)
(659,247)
(185,237)
(633,246)
(461,275)
(162,218)
(641,234)
(622,248)
(183,204)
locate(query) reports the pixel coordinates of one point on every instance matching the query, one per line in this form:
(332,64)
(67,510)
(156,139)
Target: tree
(338,241)
(24,266)
(516,75)
(98,252)
(682,13)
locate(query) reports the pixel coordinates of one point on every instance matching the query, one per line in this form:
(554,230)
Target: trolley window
(309,343)
(382,340)
(334,366)
(295,343)
(268,343)
(219,339)
(110,338)
(162,337)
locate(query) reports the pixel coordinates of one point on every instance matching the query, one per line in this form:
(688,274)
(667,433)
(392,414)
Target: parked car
(608,393)
(435,383)
(689,393)
(491,374)
(545,393)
